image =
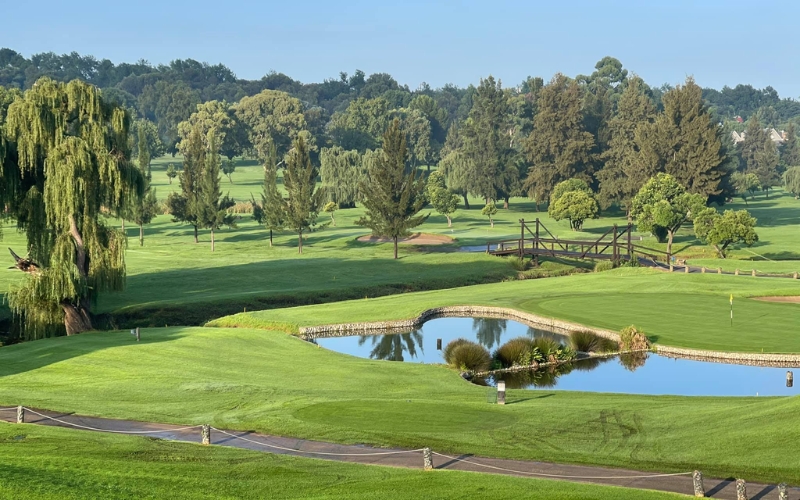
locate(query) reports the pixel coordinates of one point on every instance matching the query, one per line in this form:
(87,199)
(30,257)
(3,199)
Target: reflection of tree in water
(589,364)
(535,334)
(392,346)
(633,360)
(488,330)
(543,378)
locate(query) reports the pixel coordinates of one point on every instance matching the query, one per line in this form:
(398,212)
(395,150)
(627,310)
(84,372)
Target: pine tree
(760,155)
(303,200)
(212,208)
(486,144)
(183,206)
(622,176)
(558,148)
(686,142)
(393,198)
(70,159)
(790,153)
(269,212)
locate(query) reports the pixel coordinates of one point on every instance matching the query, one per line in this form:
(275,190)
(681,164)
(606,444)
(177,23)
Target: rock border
(534,321)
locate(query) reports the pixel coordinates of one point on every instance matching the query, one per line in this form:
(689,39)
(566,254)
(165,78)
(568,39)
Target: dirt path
(412,459)
(789,300)
(414,239)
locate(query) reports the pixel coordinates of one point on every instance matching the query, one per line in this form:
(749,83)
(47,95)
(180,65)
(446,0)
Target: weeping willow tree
(71,151)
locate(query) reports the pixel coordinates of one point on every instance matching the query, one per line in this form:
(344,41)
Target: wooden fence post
(741,489)
(796,275)
(736,272)
(686,269)
(697,481)
(719,270)
(671,268)
(20,415)
(427,459)
(205,434)
(753,273)
(703,270)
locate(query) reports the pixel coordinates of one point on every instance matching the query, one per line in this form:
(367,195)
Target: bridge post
(630,245)
(615,252)
(536,245)
(521,248)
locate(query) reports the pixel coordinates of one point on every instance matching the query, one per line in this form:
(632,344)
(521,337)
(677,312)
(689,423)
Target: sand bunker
(790,299)
(414,239)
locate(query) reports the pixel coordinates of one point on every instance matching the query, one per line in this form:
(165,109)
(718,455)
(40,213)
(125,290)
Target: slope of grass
(49,463)
(673,309)
(275,383)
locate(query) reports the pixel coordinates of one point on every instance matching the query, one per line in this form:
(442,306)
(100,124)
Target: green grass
(50,463)
(275,383)
(673,309)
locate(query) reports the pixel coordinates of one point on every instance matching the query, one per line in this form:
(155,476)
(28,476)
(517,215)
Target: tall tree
(686,142)
(760,155)
(622,176)
(791,181)
(272,117)
(143,210)
(487,145)
(212,208)
(790,153)
(303,200)
(269,212)
(392,196)
(558,148)
(456,167)
(183,206)
(71,155)
(442,199)
(218,115)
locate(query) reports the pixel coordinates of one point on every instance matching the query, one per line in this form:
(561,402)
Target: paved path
(715,488)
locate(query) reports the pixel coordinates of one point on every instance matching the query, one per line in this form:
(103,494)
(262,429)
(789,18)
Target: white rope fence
(558,476)
(85,427)
(317,452)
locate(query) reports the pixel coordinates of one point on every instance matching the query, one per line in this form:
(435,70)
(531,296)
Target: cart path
(412,459)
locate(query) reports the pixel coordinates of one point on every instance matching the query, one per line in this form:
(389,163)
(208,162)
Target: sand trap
(790,299)
(414,239)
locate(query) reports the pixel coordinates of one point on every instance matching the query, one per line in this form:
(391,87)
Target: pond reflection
(391,347)
(638,373)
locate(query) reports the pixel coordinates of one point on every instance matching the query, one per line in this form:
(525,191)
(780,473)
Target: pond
(631,374)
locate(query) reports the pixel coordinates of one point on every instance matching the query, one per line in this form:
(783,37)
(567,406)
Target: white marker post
(731,310)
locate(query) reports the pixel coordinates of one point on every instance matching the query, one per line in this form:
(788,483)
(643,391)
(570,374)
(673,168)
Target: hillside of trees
(608,128)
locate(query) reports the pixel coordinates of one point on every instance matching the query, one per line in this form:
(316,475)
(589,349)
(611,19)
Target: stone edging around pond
(738,358)
(380,327)
(534,321)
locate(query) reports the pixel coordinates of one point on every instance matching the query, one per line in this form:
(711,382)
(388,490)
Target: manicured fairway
(673,308)
(58,464)
(275,383)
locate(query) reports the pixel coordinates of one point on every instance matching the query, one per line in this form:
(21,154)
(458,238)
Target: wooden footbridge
(616,245)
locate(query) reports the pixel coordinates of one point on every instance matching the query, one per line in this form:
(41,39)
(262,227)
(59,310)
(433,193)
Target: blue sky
(719,42)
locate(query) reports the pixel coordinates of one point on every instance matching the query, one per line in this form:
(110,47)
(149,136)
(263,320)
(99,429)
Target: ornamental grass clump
(552,350)
(632,339)
(584,341)
(517,352)
(469,356)
(447,352)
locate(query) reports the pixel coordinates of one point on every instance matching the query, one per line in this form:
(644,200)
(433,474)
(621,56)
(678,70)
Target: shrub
(241,208)
(518,263)
(469,356)
(584,341)
(518,351)
(603,265)
(547,347)
(631,339)
(447,352)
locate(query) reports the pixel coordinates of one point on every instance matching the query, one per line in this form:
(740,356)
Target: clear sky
(720,42)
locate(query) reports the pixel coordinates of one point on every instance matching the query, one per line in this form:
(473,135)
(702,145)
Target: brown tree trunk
(76,319)
(300,242)
(212,239)
(505,203)
(449,221)
(395,247)
(123,225)
(195,234)
(466,202)
(670,236)
(270,238)
(141,235)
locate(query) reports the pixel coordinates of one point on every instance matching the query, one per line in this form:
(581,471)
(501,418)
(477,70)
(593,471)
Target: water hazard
(631,374)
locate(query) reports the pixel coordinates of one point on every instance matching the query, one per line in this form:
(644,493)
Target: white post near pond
(427,459)
(501,392)
(20,415)
(697,482)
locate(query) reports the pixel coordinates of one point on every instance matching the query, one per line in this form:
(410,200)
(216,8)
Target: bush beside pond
(585,341)
(467,356)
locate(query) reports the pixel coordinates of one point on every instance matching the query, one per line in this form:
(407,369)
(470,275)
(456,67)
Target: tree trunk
(449,221)
(123,225)
(670,236)
(505,202)
(76,319)
(536,204)
(195,234)
(466,202)
(720,251)
(212,239)
(300,242)
(491,222)
(270,238)
(141,235)
(333,220)
(395,247)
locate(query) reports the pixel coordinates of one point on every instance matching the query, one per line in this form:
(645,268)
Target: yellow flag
(731,299)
